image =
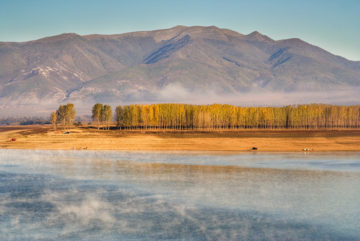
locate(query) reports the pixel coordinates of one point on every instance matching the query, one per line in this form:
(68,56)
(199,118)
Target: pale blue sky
(331,24)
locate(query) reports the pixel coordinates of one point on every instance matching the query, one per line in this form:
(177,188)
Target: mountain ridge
(89,36)
(141,66)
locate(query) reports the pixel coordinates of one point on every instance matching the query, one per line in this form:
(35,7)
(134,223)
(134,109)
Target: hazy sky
(331,24)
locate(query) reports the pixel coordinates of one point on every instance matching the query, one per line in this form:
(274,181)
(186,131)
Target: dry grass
(43,137)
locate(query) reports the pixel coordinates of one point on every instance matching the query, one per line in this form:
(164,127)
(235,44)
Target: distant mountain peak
(60,37)
(179,27)
(255,35)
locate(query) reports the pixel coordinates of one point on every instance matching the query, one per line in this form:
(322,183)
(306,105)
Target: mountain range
(180,64)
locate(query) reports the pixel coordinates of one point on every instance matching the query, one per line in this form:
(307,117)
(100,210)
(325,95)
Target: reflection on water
(88,195)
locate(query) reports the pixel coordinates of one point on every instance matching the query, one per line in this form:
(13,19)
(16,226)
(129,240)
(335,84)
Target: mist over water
(112,195)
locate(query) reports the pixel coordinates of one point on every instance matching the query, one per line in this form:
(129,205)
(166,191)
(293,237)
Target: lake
(118,195)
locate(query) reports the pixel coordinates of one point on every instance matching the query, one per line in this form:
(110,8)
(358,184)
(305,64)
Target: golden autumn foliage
(65,115)
(219,116)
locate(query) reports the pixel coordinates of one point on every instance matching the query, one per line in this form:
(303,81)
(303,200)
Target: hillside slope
(166,65)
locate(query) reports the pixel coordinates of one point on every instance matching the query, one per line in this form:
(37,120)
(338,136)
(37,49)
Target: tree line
(223,116)
(215,116)
(24,121)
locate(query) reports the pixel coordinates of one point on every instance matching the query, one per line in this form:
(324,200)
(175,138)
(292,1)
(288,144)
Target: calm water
(102,195)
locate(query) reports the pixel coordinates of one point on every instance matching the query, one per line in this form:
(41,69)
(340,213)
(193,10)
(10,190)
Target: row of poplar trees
(102,115)
(64,116)
(218,116)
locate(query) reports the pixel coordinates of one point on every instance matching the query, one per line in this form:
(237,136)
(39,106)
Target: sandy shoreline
(43,137)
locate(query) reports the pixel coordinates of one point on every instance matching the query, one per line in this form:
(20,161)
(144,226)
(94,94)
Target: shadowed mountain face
(178,64)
